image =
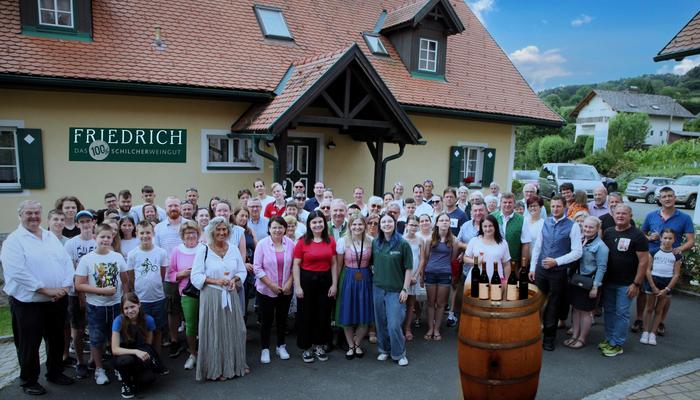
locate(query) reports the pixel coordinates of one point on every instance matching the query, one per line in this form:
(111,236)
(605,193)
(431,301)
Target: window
(9,159)
(374,42)
(427,57)
(58,13)
(220,152)
(472,164)
(272,23)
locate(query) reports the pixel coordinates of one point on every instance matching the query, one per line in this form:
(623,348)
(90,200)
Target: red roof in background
(685,43)
(403,13)
(220,45)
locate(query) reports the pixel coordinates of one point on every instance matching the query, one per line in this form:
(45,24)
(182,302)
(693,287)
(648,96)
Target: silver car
(582,176)
(686,189)
(644,187)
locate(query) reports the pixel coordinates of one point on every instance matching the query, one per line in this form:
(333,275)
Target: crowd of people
(132,278)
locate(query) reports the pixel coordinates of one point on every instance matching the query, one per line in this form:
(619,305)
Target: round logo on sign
(98,150)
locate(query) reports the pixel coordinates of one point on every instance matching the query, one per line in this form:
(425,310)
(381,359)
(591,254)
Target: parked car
(582,176)
(644,187)
(527,176)
(686,188)
(609,183)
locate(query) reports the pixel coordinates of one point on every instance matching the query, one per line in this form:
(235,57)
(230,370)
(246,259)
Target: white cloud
(681,67)
(583,19)
(481,7)
(538,67)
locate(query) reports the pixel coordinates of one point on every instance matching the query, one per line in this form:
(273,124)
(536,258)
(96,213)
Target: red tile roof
(685,43)
(220,45)
(403,13)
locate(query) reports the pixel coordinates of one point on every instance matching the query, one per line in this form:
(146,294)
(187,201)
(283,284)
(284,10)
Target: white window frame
(227,167)
(17,185)
(428,53)
(259,12)
(55,12)
(478,174)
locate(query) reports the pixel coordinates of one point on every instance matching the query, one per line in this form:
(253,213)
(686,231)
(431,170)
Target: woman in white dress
(416,293)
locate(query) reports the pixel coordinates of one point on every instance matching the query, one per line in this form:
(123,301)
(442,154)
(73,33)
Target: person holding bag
(585,282)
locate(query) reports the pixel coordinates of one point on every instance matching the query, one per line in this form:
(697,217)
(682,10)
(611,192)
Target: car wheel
(691,202)
(632,199)
(650,198)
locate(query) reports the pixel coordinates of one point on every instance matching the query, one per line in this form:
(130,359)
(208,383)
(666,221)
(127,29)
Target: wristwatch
(404,290)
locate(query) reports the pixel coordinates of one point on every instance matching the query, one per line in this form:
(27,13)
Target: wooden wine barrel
(500,347)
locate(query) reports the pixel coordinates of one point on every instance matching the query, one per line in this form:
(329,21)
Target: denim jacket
(594,260)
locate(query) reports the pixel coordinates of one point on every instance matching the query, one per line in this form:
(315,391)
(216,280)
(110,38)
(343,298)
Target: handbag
(190,290)
(583,281)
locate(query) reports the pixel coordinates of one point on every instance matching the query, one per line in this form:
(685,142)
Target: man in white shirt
(557,245)
(38,276)
(358,196)
(421,206)
(261,193)
(148,195)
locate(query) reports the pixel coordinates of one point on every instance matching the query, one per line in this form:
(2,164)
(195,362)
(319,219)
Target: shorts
(659,282)
(173,304)
(156,310)
(438,278)
(99,319)
(76,313)
(190,310)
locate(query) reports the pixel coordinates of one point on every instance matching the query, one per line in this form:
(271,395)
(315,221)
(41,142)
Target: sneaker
(101,376)
(117,375)
(181,328)
(403,361)
(613,351)
(321,354)
(282,352)
(645,338)
(451,320)
(175,350)
(382,357)
(308,356)
(81,371)
(637,326)
(127,391)
(191,362)
(603,345)
(652,339)
(166,343)
(661,330)
(265,356)
(162,371)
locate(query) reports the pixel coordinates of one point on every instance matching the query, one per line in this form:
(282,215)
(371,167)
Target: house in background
(593,114)
(99,96)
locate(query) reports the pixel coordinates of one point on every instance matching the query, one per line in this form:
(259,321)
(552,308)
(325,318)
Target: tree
(553,100)
(555,149)
(627,131)
(692,125)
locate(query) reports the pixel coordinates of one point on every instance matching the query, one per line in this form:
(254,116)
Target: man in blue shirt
(667,217)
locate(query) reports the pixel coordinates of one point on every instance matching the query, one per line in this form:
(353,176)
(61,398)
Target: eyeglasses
(298,187)
(325,208)
(373,223)
(376,206)
(436,201)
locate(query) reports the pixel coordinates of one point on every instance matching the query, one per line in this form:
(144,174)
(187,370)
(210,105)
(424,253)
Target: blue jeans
(616,308)
(389,314)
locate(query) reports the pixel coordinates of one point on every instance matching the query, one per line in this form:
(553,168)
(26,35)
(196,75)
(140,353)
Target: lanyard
(362,250)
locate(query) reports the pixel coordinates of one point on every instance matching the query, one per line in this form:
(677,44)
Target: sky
(566,42)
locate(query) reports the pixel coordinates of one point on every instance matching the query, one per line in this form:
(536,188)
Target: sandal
(409,336)
(437,337)
(428,336)
(577,344)
(350,353)
(568,342)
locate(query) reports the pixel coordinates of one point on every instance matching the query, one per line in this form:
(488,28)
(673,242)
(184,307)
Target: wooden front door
(301,164)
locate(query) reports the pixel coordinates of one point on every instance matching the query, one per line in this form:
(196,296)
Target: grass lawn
(5,321)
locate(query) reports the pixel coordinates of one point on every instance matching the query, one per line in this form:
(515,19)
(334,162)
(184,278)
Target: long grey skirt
(222,335)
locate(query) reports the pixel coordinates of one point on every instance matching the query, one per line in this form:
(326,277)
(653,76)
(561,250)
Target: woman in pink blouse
(272,265)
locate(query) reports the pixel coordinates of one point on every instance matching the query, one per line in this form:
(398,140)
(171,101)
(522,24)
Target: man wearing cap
(77,247)
(38,276)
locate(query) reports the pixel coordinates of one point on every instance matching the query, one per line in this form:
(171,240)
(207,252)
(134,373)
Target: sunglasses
(325,208)
(373,223)
(298,187)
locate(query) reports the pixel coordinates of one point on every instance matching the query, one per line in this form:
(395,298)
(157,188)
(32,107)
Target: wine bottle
(512,288)
(496,288)
(475,278)
(483,282)
(524,280)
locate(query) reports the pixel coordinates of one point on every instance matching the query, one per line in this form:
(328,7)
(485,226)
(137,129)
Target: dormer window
(272,23)
(428,55)
(57,13)
(374,42)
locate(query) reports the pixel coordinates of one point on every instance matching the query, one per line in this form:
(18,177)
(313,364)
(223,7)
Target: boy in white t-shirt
(77,247)
(147,265)
(101,275)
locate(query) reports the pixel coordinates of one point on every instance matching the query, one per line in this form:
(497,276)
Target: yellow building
(105,96)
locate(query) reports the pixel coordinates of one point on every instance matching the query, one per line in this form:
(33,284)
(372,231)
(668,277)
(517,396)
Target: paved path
(9,370)
(684,387)
(432,372)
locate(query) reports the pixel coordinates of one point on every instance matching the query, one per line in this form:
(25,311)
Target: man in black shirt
(627,264)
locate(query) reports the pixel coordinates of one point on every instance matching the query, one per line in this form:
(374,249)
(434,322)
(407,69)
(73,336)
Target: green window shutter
(488,168)
(31,158)
(455,172)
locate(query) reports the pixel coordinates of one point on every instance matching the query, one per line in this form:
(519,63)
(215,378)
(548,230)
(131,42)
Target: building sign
(128,145)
